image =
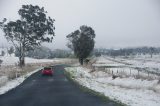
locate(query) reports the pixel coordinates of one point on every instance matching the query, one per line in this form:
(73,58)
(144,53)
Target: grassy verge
(13,71)
(86,89)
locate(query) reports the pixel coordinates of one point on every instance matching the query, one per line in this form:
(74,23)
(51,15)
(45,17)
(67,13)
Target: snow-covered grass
(127,67)
(101,61)
(9,65)
(12,60)
(13,71)
(142,61)
(131,72)
(11,75)
(14,83)
(134,92)
(3,80)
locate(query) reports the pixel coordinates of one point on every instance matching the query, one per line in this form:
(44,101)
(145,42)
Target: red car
(47,71)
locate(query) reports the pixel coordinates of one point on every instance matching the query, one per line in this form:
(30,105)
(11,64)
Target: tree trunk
(81,61)
(22,56)
(21,61)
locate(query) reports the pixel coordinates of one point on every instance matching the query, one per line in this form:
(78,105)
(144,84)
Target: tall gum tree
(82,42)
(33,28)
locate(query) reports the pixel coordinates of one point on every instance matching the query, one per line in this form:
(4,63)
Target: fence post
(130,72)
(16,74)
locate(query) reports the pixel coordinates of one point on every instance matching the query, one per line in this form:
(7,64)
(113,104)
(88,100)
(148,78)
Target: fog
(117,23)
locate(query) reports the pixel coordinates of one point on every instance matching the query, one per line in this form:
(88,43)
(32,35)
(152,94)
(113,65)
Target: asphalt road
(57,90)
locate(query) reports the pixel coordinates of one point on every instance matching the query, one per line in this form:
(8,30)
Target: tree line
(43,52)
(128,51)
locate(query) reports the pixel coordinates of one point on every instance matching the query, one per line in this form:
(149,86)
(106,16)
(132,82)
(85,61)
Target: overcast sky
(117,23)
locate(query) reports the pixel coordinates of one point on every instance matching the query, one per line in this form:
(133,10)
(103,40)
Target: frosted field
(136,84)
(131,91)
(8,85)
(135,67)
(9,77)
(12,60)
(142,61)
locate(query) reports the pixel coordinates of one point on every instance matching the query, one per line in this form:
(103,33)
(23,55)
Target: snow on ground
(14,83)
(3,80)
(133,92)
(137,66)
(101,61)
(130,72)
(12,60)
(131,83)
(142,61)
(6,84)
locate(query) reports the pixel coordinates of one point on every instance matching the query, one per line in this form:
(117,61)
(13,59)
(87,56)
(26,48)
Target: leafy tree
(39,52)
(82,42)
(11,50)
(30,30)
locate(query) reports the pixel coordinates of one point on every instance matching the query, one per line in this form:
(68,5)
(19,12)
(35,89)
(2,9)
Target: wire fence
(128,72)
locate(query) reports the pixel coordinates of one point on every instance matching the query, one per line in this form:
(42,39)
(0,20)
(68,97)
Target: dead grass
(14,71)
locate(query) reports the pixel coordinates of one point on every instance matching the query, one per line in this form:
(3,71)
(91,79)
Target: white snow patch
(14,83)
(3,80)
(133,92)
(151,64)
(101,61)
(11,60)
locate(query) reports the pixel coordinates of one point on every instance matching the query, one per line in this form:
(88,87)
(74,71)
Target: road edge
(16,82)
(86,89)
